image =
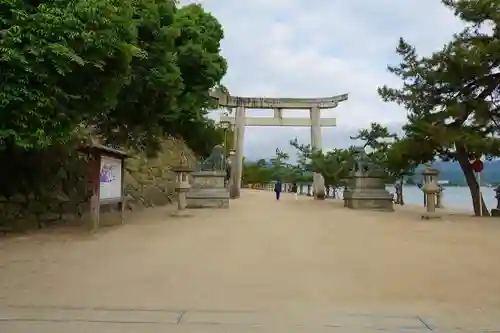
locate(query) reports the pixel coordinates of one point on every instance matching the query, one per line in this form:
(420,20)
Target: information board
(110,178)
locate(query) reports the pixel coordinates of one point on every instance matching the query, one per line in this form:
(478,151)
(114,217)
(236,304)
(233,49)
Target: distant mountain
(452,172)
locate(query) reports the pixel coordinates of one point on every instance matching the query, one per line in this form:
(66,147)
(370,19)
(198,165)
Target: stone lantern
(182,185)
(439,197)
(496,211)
(226,125)
(230,162)
(430,189)
(232,184)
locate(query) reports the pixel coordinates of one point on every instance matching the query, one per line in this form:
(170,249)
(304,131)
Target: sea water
(453,197)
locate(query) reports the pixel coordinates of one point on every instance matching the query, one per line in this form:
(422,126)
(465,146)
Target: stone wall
(63,198)
(59,195)
(150,182)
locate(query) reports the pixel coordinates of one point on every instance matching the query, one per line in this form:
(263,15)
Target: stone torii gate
(240,120)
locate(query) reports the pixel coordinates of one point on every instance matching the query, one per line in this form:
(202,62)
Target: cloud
(319,48)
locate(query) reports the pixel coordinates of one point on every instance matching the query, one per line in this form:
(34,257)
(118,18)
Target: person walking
(295,191)
(277,189)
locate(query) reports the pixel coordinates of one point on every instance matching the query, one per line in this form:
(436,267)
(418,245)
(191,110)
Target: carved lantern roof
(430,171)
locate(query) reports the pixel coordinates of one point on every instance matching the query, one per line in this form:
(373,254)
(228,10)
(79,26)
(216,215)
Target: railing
(302,189)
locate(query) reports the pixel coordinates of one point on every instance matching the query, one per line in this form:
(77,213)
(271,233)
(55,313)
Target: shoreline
(463,205)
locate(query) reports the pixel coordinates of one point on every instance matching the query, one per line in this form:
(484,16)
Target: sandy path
(262,254)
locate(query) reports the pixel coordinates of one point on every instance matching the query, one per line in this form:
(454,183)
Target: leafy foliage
(279,165)
(388,151)
(257,172)
(276,168)
(61,63)
(130,70)
(334,165)
(452,95)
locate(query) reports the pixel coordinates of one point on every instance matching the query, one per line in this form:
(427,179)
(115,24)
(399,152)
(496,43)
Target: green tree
(132,71)
(452,95)
(279,165)
(334,165)
(263,171)
(62,63)
(376,137)
(147,105)
(227,132)
(202,67)
(257,172)
(169,89)
(125,71)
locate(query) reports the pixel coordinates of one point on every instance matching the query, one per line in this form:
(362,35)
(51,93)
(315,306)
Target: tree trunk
(463,160)
(401,183)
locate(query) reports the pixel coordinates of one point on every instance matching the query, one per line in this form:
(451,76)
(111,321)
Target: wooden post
(121,204)
(95,171)
(480,194)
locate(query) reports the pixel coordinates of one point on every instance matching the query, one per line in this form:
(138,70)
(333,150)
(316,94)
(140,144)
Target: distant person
(277,189)
(295,191)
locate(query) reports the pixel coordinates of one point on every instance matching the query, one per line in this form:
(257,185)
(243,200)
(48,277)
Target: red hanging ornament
(477,166)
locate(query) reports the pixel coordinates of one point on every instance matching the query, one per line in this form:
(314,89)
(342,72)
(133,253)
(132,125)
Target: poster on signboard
(110,178)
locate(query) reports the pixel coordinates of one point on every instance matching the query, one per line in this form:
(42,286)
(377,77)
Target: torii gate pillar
(316,143)
(239,136)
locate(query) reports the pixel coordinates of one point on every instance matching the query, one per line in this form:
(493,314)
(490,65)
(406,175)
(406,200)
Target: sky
(320,48)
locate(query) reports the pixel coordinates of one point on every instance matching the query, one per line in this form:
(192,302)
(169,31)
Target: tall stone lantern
(182,184)
(232,183)
(226,125)
(430,189)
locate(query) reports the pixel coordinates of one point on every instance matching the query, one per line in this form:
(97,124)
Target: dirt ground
(266,255)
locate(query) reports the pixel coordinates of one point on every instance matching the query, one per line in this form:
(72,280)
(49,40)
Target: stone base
(234,192)
(367,193)
(371,204)
(495,212)
(208,190)
(208,203)
(430,216)
(380,200)
(318,188)
(319,196)
(181,213)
